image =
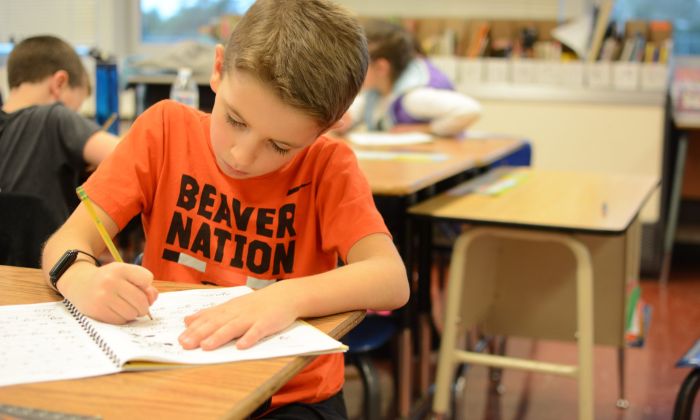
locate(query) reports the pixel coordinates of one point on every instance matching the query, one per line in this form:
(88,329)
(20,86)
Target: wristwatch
(66,260)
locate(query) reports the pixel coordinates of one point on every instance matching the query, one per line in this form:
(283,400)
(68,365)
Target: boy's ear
(217,69)
(57,83)
(342,124)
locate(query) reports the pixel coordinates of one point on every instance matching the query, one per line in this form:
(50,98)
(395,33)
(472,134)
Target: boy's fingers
(196,332)
(136,298)
(152,294)
(137,275)
(252,336)
(223,335)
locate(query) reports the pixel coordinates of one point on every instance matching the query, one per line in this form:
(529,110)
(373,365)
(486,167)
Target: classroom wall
(611,138)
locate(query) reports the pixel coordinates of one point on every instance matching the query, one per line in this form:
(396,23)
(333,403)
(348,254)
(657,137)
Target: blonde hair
(312,53)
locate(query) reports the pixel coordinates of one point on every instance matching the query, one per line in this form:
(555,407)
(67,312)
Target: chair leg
(497,346)
(371,386)
(622,402)
(687,394)
(447,361)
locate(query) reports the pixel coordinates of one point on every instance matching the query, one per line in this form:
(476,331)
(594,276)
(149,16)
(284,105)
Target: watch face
(66,260)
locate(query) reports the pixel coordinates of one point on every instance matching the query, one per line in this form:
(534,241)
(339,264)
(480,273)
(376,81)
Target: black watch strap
(66,260)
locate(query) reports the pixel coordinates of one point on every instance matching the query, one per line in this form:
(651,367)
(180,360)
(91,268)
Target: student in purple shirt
(404,91)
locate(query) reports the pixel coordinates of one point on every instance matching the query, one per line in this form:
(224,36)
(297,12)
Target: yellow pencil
(109,121)
(100,227)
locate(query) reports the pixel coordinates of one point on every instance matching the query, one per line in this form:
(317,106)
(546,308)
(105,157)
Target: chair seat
(691,358)
(373,332)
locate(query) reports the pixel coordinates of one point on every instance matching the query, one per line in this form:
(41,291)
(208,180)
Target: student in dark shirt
(45,146)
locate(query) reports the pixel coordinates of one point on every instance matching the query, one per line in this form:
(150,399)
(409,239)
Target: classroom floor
(651,378)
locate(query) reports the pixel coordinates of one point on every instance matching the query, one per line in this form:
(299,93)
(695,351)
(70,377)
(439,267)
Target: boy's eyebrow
(236,114)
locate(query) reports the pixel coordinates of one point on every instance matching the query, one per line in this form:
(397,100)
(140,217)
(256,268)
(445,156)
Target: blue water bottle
(107,94)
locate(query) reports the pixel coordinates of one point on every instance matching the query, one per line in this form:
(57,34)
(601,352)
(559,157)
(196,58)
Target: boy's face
(378,75)
(252,131)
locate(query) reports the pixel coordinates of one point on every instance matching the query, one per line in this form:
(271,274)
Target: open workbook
(52,341)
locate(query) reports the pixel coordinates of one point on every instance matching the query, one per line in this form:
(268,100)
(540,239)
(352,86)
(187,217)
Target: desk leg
(404,374)
(584,308)
(674,205)
(424,305)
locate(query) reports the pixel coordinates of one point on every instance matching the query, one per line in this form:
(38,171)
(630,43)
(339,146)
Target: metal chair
(25,224)
(688,392)
(479,274)
(372,333)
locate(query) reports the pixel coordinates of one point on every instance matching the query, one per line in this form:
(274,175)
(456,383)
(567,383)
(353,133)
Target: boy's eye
(234,122)
(279,149)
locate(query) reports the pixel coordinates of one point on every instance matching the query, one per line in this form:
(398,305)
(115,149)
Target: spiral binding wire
(90,329)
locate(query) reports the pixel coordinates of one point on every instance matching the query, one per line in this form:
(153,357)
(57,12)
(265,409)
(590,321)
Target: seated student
(45,146)
(250,194)
(404,91)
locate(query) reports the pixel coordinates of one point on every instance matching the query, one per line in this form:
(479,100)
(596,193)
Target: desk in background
(686,136)
(418,172)
(599,211)
(231,390)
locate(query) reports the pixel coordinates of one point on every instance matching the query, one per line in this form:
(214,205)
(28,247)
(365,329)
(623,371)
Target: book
(601,23)
(54,341)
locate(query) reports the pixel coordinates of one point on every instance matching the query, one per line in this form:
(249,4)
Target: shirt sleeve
(124,183)
(346,206)
(449,112)
(73,131)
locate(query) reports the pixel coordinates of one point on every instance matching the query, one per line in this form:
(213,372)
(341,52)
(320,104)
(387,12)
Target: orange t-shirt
(202,226)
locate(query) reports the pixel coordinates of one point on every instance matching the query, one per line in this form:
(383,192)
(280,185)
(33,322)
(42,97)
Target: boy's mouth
(230,170)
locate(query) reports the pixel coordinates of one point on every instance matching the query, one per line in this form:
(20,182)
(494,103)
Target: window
(684,14)
(166,21)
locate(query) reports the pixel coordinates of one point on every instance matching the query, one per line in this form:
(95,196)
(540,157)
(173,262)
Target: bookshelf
(604,115)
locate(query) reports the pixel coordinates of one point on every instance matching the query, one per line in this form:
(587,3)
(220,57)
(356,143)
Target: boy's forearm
(379,284)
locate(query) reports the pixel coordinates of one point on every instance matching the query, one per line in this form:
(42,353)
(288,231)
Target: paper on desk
(388,139)
(492,183)
(400,156)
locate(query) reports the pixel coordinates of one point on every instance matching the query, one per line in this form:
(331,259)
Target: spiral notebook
(54,341)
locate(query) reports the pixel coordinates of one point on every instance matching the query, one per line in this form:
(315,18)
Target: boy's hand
(249,318)
(115,293)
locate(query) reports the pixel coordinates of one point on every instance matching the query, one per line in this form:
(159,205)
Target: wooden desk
(405,177)
(231,390)
(598,211)
(399,183)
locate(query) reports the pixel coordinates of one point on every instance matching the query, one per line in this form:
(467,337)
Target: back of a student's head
(311,53)
(36,58)
(391,42)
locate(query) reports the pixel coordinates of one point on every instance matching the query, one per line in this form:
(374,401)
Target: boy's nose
(244,152)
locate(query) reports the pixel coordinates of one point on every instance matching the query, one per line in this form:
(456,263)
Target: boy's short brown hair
(391,42)
(312,53)
(38,57)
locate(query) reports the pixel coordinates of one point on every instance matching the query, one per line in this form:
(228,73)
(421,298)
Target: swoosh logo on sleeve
(297,188)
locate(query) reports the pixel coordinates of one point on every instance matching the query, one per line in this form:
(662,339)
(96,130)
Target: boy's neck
(26,95)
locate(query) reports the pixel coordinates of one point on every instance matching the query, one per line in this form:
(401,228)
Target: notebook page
(156,340)
(43,342)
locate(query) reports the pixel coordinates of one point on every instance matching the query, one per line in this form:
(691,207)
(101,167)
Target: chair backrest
(25,224)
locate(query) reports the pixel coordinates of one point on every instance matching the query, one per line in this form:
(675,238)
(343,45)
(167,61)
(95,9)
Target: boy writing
(45,146)
(249,194)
